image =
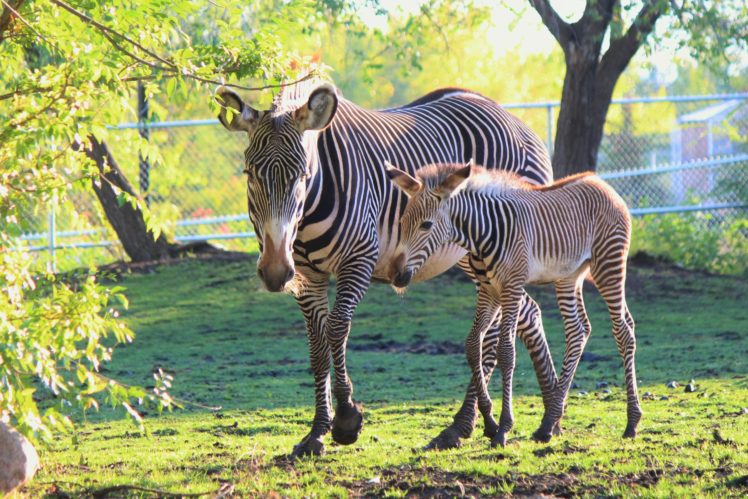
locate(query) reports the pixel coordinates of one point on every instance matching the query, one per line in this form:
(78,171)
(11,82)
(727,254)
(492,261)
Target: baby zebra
(525,235)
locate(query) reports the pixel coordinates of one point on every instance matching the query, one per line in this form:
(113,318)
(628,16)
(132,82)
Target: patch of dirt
(378,343)
(433,482)
(729,335)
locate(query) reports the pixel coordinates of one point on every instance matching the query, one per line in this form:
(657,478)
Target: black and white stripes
(525,234)
(322,205)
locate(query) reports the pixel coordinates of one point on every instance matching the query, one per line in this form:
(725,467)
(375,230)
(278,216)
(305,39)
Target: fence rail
(662,154)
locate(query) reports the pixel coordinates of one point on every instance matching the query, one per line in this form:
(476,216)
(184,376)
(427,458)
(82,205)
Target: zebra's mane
(480,180)
(294,96)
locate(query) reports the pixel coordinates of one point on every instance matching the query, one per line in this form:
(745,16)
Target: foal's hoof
(309,446)
(542,436)
(557,430)
(347,424)
(449,438)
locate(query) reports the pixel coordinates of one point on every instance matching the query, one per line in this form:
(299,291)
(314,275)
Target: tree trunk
(590,78)
(126,220)
(581,119)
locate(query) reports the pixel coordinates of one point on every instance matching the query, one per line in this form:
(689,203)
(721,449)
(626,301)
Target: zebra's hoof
(347,424)
(557,430)
(542,436)
(449,438)
(499,439)
(309,446)
(629,433)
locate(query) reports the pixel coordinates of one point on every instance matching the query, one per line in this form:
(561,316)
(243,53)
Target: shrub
(695,240)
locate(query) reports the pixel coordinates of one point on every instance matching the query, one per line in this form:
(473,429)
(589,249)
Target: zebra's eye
(426,225)
(248,172)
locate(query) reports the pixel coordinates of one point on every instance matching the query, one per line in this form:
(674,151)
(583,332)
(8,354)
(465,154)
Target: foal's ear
(318,112)
(409,185)
(236,115)
(454,182)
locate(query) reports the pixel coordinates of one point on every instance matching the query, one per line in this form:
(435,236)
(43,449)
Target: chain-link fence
(663,155)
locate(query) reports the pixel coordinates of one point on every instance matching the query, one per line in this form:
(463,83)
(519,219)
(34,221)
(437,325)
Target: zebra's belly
(547,270)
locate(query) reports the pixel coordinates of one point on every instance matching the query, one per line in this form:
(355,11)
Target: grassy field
(229,344)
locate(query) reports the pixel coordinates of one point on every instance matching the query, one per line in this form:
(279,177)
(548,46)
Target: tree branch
(621,50)
(106,29)
(10,9)
(166,66)
(559,28)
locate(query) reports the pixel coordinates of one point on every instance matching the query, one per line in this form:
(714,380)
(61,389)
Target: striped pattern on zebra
(321,205)
(525,234)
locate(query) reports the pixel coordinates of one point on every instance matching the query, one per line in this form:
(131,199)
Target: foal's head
(425,226)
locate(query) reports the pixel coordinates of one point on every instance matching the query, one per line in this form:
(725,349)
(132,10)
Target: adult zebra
(321,205)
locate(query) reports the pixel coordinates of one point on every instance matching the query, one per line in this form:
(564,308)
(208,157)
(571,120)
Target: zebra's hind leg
(612,290)
(313,303)
(577,330)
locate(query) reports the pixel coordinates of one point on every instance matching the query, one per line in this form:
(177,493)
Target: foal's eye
(426,225)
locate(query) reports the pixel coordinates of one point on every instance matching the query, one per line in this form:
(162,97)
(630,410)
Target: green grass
(231,345)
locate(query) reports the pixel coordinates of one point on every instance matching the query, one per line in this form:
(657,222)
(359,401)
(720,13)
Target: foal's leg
(510,299)
(530,330)
(485,313)
(577,331)
(611,284)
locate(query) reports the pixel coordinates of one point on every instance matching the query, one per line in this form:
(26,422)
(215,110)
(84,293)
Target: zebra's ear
(409,185)
(236,115)
(318,112)
(454,182)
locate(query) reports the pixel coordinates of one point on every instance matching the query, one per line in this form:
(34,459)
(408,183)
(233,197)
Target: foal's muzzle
(402,279)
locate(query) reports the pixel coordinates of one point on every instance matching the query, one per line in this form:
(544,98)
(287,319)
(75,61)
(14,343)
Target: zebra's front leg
(314,305)
(511,298)
(486,311)
(464,420)
(352,283)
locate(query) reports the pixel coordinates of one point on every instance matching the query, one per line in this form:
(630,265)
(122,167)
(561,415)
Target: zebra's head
(280,161)
(425,226)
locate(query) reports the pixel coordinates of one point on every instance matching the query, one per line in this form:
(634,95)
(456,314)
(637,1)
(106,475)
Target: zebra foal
(525,234)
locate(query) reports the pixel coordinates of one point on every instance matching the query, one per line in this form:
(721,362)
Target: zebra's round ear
(318,112)
(409,185)
(235,114)
(454,182)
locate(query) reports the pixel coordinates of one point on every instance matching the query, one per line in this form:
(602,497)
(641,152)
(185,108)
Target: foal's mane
(489,181)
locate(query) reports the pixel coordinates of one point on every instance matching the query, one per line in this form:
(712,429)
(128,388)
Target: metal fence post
(52,235)
(145,166)
(549,129)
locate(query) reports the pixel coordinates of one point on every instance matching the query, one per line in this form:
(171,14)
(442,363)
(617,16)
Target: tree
(69,69)
(597,49)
